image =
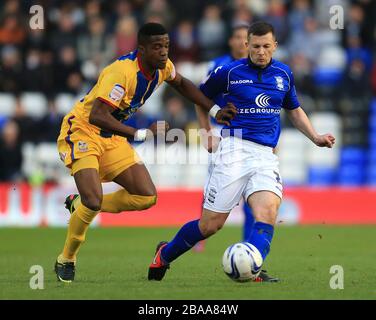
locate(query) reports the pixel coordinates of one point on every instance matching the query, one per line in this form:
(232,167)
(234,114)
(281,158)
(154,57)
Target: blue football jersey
(220,61)
(258,94)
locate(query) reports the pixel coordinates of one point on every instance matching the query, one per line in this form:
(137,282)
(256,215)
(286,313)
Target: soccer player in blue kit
(245,165)
(238,50)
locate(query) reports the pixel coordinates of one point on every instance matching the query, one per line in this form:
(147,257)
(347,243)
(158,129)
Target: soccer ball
(242,262)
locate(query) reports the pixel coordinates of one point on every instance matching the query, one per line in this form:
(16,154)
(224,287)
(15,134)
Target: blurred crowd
(334,70)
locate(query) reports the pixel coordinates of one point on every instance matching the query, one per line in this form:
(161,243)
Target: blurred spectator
(12,31)
(26,124)
(356,50)
(67,69)
(176,113)
(11,75)
(184,46)
(49,125)
(276,15)
(66,34)
(369,25)
(126,35)
(356,80)
(159,8)
(93,9)
(307,41)
(355,23)
(122,9)
(11,7)
(301,66)
(95,48)
(10,153)
(211,31)
(33,74)
(37,39)
(298,14)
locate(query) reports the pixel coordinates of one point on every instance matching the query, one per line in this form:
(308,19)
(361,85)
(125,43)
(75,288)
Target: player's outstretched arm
(186,88)
(300,120)
(101,117)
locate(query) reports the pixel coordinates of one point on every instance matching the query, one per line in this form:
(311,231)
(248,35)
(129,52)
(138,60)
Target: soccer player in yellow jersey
(92,144)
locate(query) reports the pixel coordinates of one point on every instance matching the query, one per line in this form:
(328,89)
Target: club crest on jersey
(82,146)
(279,82)
(117,93)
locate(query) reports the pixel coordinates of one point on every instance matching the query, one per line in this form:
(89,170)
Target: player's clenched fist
(325,140)
(226,114)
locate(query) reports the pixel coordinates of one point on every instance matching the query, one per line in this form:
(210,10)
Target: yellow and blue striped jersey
(123,85)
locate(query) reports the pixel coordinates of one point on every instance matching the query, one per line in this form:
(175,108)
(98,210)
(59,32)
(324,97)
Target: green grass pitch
(113,264)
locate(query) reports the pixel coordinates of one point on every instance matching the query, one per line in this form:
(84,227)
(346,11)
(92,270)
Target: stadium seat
(292,156)
(372,155)
(34,104)
(325,122)
(293,173)
(64,103)
(371,174)
(169,165)
(29,162)
(7,104)
(353,156)
(322,176)
(351,174)
(48,160)
(195,172)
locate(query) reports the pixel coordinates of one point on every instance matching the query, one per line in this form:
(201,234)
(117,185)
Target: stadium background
(44,71)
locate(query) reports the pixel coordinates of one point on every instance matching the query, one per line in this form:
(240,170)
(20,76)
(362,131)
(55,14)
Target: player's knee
(92,202)
(266,213)
(147,202)
(148,191)
(208,228)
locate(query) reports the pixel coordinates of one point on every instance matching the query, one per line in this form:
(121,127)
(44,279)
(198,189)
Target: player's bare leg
(90,189)
(139,192)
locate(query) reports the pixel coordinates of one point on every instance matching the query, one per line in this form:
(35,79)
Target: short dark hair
(148,30)
(260,28)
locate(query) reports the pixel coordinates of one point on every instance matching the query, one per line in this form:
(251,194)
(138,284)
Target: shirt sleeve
(111,89)
(215,83)
(169,72)
(291,99)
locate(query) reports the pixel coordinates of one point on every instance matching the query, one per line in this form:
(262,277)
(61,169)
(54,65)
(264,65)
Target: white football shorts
(237,169)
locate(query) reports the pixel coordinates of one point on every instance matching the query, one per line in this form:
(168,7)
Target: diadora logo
(262,100)
(241,81)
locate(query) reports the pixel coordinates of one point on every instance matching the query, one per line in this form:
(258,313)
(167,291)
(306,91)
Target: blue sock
(261,237)
(249,220)
(184,240)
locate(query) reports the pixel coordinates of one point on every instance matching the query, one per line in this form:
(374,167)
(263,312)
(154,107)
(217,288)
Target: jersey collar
(253,66)
(143,71)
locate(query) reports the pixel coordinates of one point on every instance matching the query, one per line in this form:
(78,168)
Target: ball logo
(262,100)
